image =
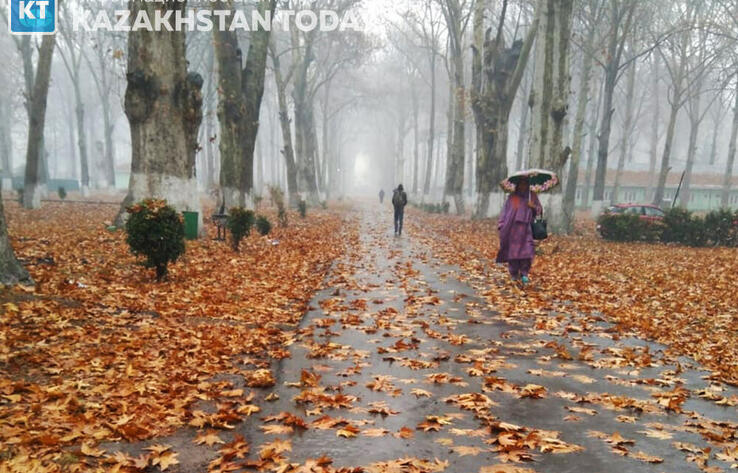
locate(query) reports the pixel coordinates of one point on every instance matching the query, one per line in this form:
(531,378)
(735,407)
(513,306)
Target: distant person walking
(399,201)
(381,196)
(516,236)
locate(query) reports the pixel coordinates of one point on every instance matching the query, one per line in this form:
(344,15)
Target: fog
(408,97)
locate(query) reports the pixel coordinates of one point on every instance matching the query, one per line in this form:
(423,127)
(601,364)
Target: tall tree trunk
(455,160)
(454,186)
(503,70)
(653,154)
(666,155)
(416,139)
(241,92)
(311,150)
(728,176)
(592,150)
(585,80)
(109,127)
(284,122)
(550,109)
(431,126)
(6,139)
(694,121)
(231,114)
(37,118)
(713,144)
(524,126)
(305,151)
(79,110)
(615,47)
(11,271)
(252,88)
(626,138)
(163,103)
(450,129)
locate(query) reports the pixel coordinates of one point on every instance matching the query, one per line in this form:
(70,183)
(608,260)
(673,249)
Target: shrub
(277,196)
(721,228)
(62,193)
(239,223)
(302,208)
(628,227)
(681,226)
(20,196)
(435,208)
(155,230)
(263,225)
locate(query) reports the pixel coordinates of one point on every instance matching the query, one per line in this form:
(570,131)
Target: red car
(647,212)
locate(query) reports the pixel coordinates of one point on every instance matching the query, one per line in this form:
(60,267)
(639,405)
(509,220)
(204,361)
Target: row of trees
(629,65)
(194,100)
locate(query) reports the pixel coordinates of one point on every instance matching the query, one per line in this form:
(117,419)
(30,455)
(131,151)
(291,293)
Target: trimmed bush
(62,193)
(155,230)
(681,226)
(628,227)
(435,208)
(263,225)
(302,208)
(721,228)
(239,224)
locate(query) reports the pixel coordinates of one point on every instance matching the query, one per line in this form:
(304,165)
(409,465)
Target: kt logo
(32,16)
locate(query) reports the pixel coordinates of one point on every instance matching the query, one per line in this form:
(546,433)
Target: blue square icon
(32,16)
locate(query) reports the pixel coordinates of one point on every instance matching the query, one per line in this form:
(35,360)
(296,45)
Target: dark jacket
(399,198)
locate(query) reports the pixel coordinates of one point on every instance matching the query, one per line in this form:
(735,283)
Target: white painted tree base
(597,207)
(553,211)
(496,203)
(32,196)
(85,191)
(179,193)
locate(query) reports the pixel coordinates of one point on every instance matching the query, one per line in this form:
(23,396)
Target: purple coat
(516,236)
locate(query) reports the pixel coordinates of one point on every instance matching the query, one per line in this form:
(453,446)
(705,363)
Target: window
(634,210)
(653,212)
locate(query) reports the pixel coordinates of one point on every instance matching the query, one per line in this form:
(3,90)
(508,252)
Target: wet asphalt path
(396,334)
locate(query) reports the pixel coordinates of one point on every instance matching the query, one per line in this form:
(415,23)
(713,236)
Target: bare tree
(456,21)
(163,104)
(71,54)
(589,20)
(37,119)
(550,99)
(497,72)
(687,66)
(621,19)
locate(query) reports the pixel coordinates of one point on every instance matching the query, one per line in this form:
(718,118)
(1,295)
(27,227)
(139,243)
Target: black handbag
(540,228)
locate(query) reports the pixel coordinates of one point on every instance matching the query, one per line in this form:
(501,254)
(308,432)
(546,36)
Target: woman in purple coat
(516,237)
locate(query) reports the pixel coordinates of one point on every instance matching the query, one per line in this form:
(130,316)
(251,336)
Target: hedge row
(717,228)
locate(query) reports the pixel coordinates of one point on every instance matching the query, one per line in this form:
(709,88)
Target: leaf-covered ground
(414,355)
(686,298)
(101,352)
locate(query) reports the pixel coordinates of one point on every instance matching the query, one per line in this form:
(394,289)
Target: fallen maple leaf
(208,438)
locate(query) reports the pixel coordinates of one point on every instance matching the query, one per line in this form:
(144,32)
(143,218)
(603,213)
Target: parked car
(647,212)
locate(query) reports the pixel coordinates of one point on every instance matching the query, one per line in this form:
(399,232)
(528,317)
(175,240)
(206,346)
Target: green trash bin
(190,223)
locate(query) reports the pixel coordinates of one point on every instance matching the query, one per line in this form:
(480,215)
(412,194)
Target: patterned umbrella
(540,180)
